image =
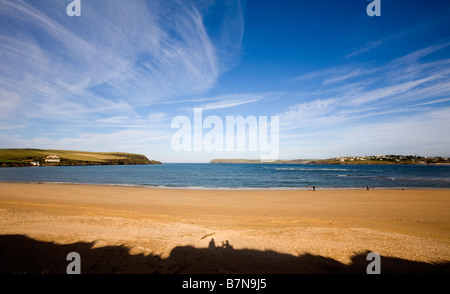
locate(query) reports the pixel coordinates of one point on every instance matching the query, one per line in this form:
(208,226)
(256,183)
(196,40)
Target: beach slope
(148,230)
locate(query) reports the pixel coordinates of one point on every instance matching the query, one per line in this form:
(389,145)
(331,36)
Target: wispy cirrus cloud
(231,100)
(401,97)
(141,55)
(102,70)
(116,76)
(398,135)
(374,44)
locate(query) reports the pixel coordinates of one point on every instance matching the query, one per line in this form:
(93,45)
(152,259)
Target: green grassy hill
(24,157)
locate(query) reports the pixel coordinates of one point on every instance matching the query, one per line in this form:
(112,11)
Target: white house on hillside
(52,158)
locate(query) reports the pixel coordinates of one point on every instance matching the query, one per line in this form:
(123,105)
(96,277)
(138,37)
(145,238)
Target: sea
(239,176)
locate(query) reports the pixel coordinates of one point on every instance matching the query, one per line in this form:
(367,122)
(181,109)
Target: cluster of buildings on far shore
(396,158)
(52,158)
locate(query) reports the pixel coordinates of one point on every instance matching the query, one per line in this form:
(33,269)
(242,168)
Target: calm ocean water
(247,176)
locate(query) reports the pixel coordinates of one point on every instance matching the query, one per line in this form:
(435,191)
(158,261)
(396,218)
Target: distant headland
(44,157)
(378,159)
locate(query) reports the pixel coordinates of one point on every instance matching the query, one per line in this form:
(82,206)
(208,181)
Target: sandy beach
(148,230)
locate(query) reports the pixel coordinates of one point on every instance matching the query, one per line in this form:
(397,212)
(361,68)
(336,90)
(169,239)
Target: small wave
(312,169)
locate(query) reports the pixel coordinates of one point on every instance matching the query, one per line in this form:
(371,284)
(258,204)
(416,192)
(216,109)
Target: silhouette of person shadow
(212,244)
(227,245)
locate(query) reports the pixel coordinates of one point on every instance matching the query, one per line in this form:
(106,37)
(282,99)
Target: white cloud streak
(233,100)
(102,68)
(392,106)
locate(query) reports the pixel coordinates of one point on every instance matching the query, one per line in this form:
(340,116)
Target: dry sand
(138,229)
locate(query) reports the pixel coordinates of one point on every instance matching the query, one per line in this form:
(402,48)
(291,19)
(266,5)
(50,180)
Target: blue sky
(113,79)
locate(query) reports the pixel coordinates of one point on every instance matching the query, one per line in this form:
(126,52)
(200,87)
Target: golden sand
(412,225)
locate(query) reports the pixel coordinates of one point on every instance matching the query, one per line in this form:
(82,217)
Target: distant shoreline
(349,160)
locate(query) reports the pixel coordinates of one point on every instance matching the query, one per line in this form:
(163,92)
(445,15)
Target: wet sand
(326,228)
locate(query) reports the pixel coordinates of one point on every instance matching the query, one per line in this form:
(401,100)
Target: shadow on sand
(21,254)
